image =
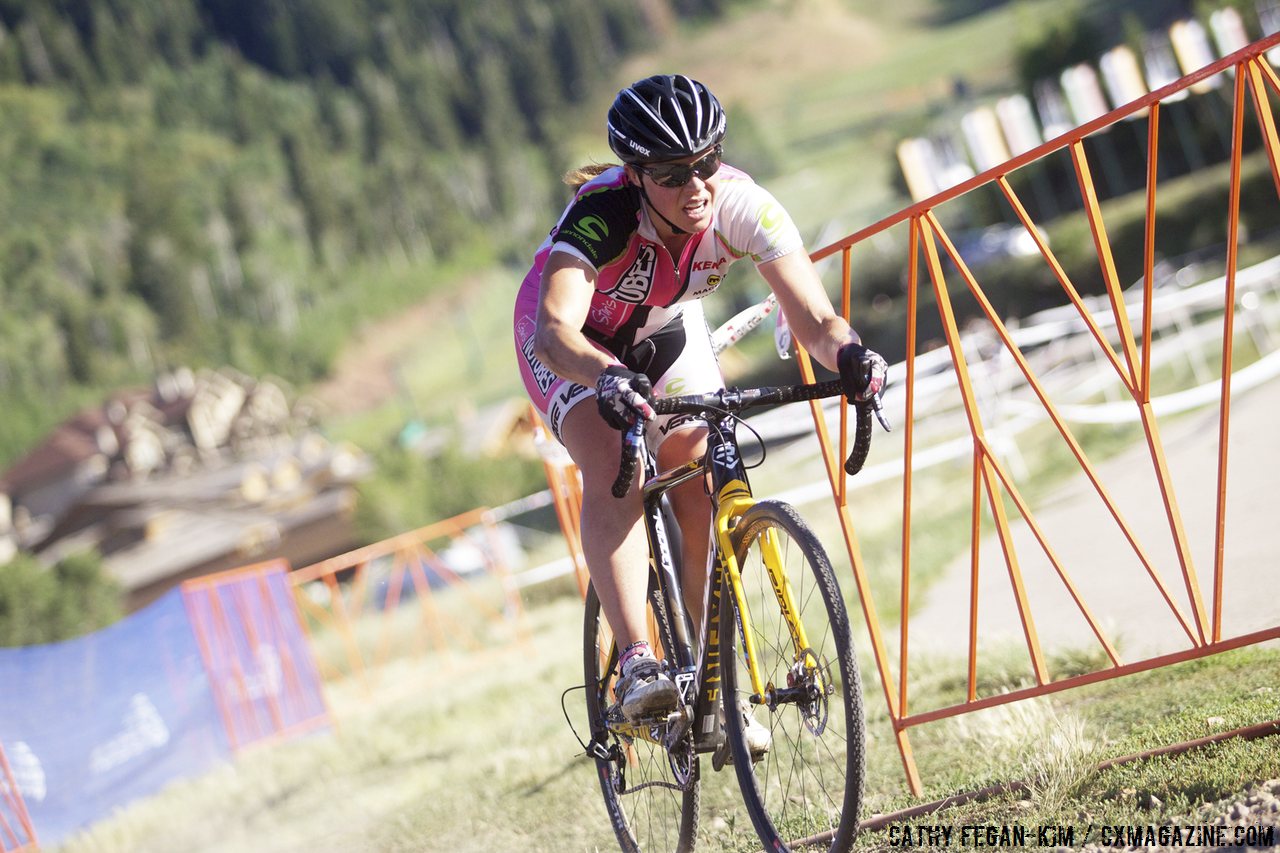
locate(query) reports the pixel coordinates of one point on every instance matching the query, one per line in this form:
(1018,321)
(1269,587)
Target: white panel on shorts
(695,371)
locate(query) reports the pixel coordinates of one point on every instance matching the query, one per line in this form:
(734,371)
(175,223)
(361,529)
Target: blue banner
(94,723)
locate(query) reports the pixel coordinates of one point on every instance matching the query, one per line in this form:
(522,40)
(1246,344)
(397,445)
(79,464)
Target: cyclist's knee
(681,445)
(595,447)
(592,444)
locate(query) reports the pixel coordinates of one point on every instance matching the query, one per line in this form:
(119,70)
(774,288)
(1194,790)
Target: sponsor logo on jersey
(560,404)
(701,266)
(572,390)
(602,314)
(556,416)
(713,281)
(634,285)
(592,228)
(542,375)
(771,216)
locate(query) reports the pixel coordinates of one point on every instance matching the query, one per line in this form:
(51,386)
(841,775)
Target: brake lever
(878,409)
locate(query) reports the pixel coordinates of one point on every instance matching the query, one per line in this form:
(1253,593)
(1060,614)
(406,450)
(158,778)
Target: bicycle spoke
(649,810)
(809,783)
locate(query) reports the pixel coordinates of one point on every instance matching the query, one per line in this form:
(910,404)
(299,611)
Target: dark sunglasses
(672,175)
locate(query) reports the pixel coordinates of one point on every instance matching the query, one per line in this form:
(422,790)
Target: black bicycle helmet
(665,117)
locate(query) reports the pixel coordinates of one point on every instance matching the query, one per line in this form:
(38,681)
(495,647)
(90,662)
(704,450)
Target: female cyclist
(611,310)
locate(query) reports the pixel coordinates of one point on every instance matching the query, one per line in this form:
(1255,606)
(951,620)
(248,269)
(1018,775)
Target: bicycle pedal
(721,757)
(598,750)
(678,723)
(646,721)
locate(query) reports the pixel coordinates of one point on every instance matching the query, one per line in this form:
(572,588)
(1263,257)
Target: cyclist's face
(689,205)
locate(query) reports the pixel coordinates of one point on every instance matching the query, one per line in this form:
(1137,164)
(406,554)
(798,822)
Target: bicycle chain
(654,784)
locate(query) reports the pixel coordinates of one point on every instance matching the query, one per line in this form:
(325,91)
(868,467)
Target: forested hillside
(241,181)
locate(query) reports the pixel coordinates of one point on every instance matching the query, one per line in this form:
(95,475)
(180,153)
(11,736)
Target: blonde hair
(579,176)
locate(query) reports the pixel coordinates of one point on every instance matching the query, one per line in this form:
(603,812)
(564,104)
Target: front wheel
(652,798)
(806,791)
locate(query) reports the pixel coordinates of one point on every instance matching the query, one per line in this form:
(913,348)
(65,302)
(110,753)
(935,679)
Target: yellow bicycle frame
(732,502)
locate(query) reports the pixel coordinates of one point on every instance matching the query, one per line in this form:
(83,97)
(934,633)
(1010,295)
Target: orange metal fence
(260,666)
(16,832)
(1107,324)
(1122,352)
(378,580)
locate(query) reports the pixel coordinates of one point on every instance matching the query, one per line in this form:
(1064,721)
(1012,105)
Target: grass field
(472,753)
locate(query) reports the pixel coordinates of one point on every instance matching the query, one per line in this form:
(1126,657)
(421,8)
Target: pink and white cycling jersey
(640,287)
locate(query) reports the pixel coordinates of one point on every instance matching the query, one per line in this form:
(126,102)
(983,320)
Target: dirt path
(364,374)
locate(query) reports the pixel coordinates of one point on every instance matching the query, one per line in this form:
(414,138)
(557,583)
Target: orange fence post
(566,494)
(17,835)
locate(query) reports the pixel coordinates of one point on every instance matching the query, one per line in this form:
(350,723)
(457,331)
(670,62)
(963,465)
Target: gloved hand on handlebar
(863,373)
(623,396)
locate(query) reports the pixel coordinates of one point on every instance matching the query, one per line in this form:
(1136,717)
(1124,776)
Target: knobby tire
(645,816)
(806,792)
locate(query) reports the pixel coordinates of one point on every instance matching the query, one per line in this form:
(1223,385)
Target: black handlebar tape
(756,397)
(627,465)
(861,439)
(816,391)
(751,398)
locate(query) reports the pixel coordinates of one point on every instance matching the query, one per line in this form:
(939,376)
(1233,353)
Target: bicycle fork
(771,557)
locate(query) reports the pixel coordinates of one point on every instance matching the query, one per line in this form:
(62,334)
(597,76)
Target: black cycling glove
(863,372)
(623,396)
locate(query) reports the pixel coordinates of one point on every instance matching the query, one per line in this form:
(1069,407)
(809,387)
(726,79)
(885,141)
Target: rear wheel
(806,791)
(652,799)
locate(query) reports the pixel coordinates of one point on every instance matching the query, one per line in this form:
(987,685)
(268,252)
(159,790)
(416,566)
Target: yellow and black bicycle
(775,644)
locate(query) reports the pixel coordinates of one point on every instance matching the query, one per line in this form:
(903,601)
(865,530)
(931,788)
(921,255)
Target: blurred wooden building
(201,472)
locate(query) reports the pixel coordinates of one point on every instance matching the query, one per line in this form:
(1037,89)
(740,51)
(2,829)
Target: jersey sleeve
(755,224)
(599,224)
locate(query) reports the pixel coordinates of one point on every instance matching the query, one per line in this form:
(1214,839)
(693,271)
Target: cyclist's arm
(805,304)
(568,283)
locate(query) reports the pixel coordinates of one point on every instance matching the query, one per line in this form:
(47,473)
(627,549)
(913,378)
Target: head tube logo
(591,228)
(726,456)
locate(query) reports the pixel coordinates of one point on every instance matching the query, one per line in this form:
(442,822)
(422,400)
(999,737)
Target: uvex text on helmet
(665,117)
